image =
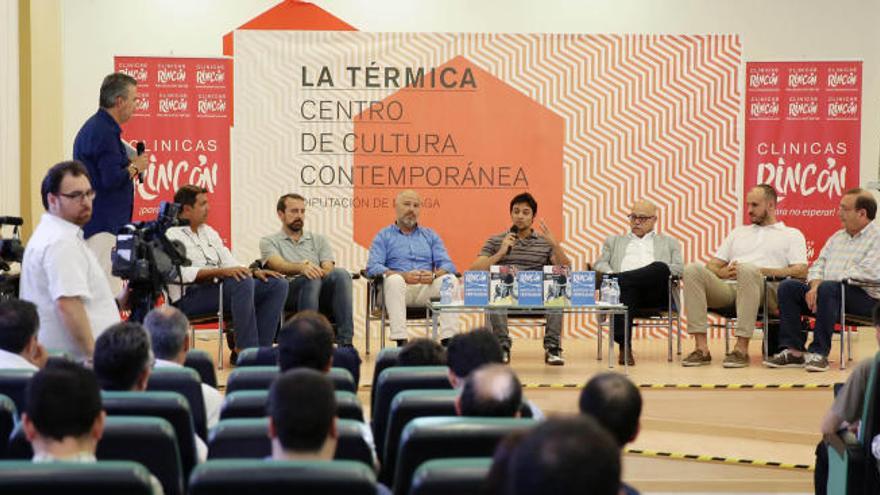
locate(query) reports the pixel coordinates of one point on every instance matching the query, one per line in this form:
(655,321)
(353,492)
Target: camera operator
(60,274)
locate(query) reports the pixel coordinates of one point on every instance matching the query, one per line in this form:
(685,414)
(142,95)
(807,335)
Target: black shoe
(630,360)
(400,342)
(233,358)
(505,355)
(445,342)
(553,357)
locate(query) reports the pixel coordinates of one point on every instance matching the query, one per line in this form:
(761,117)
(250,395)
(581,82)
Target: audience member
(422,352)
(468,351)
(19,348)
(492,390)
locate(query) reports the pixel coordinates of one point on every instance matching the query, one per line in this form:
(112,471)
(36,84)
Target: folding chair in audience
(187,383)
(13,383)
(261,377)
(234,477)
(343,357)
(462,476)
(101,478)
(252,404)
(386,358)
(8,418)
(200,361)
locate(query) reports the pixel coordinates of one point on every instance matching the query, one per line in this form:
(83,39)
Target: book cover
(530,288)
(557,291)
(476,288)
(502,285)
(583,288)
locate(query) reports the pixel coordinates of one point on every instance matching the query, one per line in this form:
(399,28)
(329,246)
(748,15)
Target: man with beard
(60,274)
(414,262)
(735,276)
(317,283)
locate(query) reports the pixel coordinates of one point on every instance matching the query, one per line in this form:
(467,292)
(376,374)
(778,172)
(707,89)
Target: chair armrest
(859,283)
(845,442)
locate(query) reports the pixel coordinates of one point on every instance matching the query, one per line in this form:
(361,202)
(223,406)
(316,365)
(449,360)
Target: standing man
(317,284)
(766,248)
(60,274)
(525,249)
(414,262)
(255,304)
(99,147)
(853,252)
(642,261)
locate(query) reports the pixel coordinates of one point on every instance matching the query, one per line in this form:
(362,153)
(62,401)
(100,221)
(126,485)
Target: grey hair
(167,326)
(114,85)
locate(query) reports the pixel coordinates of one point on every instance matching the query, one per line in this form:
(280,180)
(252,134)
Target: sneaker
(816,362)
(736,359)
(553,357)
(785,359)
(505,355)
(697,358)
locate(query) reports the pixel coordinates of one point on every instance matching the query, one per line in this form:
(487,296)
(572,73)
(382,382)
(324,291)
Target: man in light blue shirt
(414,262)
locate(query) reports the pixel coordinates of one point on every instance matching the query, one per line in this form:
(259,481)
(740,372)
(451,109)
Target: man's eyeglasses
(639,218)
(79,195)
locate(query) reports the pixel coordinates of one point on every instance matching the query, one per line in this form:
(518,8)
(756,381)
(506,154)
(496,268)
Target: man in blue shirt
(99,146)
(414,262)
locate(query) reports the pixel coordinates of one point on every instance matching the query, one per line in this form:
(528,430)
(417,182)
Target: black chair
(396,379)
(8,417)
(462,476)
(343,357)
(156,447)
(200,361)
(13,383)
(100,478)
(235,477)
(424,439)
(261,377)
(249,438)
(252,404)
(170,406)
(187,383)
(387,358)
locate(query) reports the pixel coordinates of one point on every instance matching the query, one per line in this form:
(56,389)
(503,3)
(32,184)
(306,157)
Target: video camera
(11,251)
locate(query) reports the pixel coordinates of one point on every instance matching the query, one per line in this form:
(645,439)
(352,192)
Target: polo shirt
(310,247)
(530,253)
(767,246)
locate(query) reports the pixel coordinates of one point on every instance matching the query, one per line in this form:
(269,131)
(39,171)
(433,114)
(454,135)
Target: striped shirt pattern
(856,257)
(531,253)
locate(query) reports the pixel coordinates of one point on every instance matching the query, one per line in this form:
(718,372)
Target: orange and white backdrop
(586,123)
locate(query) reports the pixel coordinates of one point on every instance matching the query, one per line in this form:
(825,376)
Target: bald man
(414,262)
(642,261)
(492,390)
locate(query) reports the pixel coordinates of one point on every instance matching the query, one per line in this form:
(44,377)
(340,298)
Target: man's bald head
(492,390)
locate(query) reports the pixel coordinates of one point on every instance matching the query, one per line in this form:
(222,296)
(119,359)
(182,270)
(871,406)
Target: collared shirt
(528,253)
(846,256)
(765,246)
(639,252)
(421,249)
(57,263)
(99,146)
(204,249)
(13,361)
(310,247)
(212,398)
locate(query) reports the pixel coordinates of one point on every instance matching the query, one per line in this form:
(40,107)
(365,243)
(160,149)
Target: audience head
(615,403)
(496,480)
(63,415)
(492,390)
(168,328)
(193,202)
(563,456)
(469,350)
(123,357)
(119,96)
(761,204)
(422,352)
(302,415)
(306,341)
(19,323)
(858,208)
(67,192)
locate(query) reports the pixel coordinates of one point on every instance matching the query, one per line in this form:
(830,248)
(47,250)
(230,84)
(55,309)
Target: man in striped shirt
(853,252)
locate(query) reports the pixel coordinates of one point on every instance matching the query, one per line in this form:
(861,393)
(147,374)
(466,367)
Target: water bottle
(613,292)
(446,290)
(603,290)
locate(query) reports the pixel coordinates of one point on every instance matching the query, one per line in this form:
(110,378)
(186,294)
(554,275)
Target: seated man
(613,401)
(763,249)
(168,328)
(302,417)
(492,390)
(317,284)
(642,261)
(413,261)
(422,352)
(123,360)
(525,249)
(19,348)
(853,252)
(255,304)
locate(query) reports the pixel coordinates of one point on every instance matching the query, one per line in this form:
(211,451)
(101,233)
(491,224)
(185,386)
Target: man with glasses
(60,274)
(735,276)
(99,147)
(642,261)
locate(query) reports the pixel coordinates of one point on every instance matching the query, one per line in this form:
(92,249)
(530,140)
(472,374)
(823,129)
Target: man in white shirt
(255,298)
(60,274)
(735,276)
(168,327)
(19,348)
(642,261)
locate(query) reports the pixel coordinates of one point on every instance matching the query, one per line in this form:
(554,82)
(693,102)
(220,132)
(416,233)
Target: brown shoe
(697,358)
(736,359)
(630,360)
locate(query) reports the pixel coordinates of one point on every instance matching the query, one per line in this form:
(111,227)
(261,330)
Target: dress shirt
(769,246)
(639,252)
(846,256)
(421,249)
(212,398)
(13,361)
(204,249)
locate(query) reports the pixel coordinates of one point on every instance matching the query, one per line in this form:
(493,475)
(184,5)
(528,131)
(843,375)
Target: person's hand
(545,232)
(728,271)
(812,298)
(264,274)
(310,271)
(239,273)
(506,244)
(141,162)
(413,277)
(426,277)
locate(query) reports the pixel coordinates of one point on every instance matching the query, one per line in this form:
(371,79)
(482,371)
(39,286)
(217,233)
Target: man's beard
(408,221)
(295,226)
(759,219)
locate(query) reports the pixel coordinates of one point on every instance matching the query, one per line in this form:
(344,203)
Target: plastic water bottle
(446,290)
(603,290)
(613,292)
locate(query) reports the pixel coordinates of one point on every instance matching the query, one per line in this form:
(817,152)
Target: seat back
(387,358)
(462,476)
(13,383)
(424,439)
(258,356)
(170,406)
(261,378)
(187,383)
(100,478)
(8,416)
(252,404)
(397,379)
(234,477)
(249,438)
(201,361)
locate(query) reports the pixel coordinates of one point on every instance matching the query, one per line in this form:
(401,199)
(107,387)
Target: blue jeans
(793,304)
(330,295)
(255,306)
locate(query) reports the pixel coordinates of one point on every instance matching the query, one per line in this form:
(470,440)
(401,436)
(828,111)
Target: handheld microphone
(140,151)
(513,230)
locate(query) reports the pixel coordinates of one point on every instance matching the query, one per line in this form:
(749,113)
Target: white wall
(10,152)
(96,30)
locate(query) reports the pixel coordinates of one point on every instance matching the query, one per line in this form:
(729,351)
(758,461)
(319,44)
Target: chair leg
(669,326)
(382,330)
(599,339)
(842,325)
(220,329)
(367,319)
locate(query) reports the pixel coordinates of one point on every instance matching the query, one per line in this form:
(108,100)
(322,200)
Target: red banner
(803,123)
(183,118)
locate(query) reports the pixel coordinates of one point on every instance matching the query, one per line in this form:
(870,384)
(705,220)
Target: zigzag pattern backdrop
(645,116)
